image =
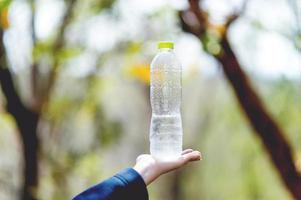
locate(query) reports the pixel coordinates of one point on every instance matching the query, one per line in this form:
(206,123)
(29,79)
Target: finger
(197,157)
(187,151)
(192,156)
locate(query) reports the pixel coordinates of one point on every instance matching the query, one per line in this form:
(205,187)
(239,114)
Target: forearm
(128,184)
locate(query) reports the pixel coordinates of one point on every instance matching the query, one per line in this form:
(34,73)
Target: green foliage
(59,108)
(41,48)
(4,4)
(257,24)
(108,132)
(93,7)
(134,48)
(298,41)
(68,53)
(103,4)
(211,42)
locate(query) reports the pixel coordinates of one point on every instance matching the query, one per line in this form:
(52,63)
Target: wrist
(147,174)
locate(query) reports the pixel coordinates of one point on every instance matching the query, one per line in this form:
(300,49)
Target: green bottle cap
(165,45)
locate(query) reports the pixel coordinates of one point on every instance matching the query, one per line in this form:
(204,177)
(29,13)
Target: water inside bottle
(166,136)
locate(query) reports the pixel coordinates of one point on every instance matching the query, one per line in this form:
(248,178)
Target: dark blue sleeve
(127,184)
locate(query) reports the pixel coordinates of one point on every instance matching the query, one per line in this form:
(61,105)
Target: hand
(151,168)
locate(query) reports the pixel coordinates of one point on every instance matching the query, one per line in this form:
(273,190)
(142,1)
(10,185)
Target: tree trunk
(26,121)
(263,124)
(175,191)
(267,129)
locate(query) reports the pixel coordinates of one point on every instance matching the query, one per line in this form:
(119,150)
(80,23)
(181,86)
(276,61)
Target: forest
(75,95)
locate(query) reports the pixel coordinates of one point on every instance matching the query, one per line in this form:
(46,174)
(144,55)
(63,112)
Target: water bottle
(165,96)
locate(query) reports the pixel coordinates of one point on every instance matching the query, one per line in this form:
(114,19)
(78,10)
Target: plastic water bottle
(165,95)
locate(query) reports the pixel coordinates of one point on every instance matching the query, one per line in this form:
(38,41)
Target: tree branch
(58,44)
(199,14)
(34,67)
(194,20)
(236,14)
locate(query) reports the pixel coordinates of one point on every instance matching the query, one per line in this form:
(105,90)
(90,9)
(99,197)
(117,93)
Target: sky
(266,50)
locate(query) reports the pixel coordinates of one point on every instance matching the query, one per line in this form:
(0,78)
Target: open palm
(151,168)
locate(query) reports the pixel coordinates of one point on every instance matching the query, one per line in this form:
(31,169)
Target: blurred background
(74,104)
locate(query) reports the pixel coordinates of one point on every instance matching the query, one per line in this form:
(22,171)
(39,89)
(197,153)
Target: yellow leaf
(140,72)
(220,29)
(4,23)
